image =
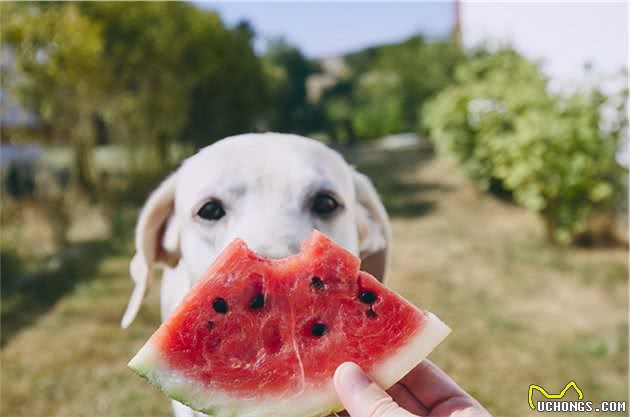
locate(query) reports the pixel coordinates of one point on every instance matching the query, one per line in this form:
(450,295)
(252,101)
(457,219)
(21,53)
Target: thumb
(361,396)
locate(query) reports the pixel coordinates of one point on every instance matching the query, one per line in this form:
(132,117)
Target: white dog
(270,190)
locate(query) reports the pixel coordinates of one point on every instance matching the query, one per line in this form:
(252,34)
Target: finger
(406,399)
(361,396)
(431,386)
(459,406)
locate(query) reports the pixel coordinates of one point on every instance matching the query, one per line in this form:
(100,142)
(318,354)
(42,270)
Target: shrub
(550,151)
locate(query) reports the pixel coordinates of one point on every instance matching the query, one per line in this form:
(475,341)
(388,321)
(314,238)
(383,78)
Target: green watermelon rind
(146,365)
(307,403)
(181,397)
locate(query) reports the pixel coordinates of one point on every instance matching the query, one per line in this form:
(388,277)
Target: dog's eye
(212,210)
(324,204)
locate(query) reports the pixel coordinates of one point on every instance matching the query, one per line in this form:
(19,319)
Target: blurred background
(496,134)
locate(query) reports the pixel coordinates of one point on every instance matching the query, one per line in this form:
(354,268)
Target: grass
(522,311)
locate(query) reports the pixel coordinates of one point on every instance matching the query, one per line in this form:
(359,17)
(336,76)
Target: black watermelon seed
(371,313)
(220,305)
(317,283)
(367,297)
(209,325)
(319,329)
(258,301)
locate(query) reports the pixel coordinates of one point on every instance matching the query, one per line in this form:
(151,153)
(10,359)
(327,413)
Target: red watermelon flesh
(260,337)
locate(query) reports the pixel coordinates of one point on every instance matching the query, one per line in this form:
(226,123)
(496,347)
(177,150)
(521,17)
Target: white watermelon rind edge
(307,403)
(412,353)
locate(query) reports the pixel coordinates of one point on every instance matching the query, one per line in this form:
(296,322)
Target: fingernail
(350,377)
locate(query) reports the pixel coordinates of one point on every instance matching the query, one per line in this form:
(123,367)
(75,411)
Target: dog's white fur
(266,183)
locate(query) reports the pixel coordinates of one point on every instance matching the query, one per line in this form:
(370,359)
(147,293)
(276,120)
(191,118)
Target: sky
(564,35)
(327,29)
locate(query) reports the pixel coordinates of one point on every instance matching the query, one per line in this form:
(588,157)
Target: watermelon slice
(259,337)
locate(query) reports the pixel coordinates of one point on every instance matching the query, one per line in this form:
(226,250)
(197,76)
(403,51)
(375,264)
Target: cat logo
(545,394)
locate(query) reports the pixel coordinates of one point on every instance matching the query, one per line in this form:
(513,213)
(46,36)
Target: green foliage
(59,53)
(387,84)
(489,91)
(142,74)
(379,109)
(293,112)
(148,98)
(181,73)
(336,103)
(550,151)
(148,75)
(422,68)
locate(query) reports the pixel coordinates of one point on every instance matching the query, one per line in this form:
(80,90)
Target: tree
(148,74)
(379,105)
(183,75)
(423,69)
(59,53)
(143,46)
(387,84)
(293,112)
(232,91)
(337,103)
(549,150)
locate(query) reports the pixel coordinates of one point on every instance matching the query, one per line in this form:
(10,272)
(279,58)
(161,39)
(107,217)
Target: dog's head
(270,190)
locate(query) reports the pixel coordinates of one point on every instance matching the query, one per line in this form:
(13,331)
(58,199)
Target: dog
(270,190)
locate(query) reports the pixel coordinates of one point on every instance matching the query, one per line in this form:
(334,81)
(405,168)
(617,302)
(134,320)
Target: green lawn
(521,311)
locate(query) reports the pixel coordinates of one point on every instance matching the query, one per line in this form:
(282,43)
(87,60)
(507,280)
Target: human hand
(424,391)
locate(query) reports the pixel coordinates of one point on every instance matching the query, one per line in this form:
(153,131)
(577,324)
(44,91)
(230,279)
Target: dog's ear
(372,227)
(157,240)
